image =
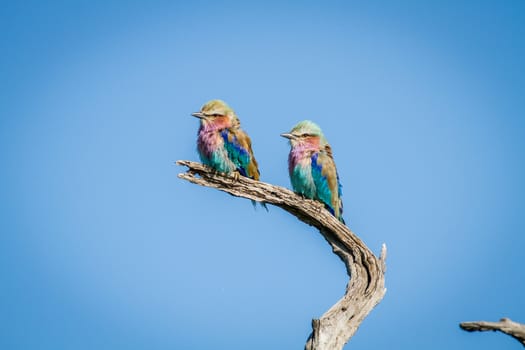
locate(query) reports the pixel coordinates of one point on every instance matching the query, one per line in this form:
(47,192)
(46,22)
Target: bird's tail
(254,203)
(339,217)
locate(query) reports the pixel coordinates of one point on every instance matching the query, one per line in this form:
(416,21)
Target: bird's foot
(301,195)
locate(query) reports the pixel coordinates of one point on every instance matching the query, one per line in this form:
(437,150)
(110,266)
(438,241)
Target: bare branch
(505,325)
(365,289)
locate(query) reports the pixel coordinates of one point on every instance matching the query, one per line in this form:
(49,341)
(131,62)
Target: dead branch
(505,325)
(366,286)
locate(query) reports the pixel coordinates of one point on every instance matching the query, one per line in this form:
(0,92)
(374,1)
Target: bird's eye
(215,115)
(305,135)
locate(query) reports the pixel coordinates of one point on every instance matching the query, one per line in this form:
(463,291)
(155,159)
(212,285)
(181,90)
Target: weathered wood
(505,325)
(366,286)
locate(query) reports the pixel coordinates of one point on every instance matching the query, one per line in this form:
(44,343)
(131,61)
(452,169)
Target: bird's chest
(301,176)
(209,141)
(213,152)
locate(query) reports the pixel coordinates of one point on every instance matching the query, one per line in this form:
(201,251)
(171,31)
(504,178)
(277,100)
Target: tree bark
(366,286)
(505,325)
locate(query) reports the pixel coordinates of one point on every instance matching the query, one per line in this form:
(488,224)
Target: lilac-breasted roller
(312,168)
(221,142)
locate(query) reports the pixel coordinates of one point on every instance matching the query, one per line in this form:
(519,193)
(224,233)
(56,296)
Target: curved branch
(505,325)
(366,287)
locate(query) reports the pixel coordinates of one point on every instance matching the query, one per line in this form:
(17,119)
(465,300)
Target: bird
(311,167)
(222,144)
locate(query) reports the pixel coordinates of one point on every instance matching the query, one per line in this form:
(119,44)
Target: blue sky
(102,246)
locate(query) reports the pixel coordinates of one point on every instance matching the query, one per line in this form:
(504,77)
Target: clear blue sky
(103,247)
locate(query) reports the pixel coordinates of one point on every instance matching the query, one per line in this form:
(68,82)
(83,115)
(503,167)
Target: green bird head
(305,131)
(217,112)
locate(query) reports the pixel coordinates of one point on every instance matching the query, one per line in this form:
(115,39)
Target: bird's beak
(198,115)
(288,136)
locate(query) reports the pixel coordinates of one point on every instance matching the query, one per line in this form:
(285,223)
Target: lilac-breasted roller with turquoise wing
(222,144)
(312,168)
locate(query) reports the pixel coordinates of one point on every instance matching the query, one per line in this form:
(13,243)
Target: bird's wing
(326,181)
(239,148)
(328,151)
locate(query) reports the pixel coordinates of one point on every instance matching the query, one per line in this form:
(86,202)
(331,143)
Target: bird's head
(306,133)
(216,114)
